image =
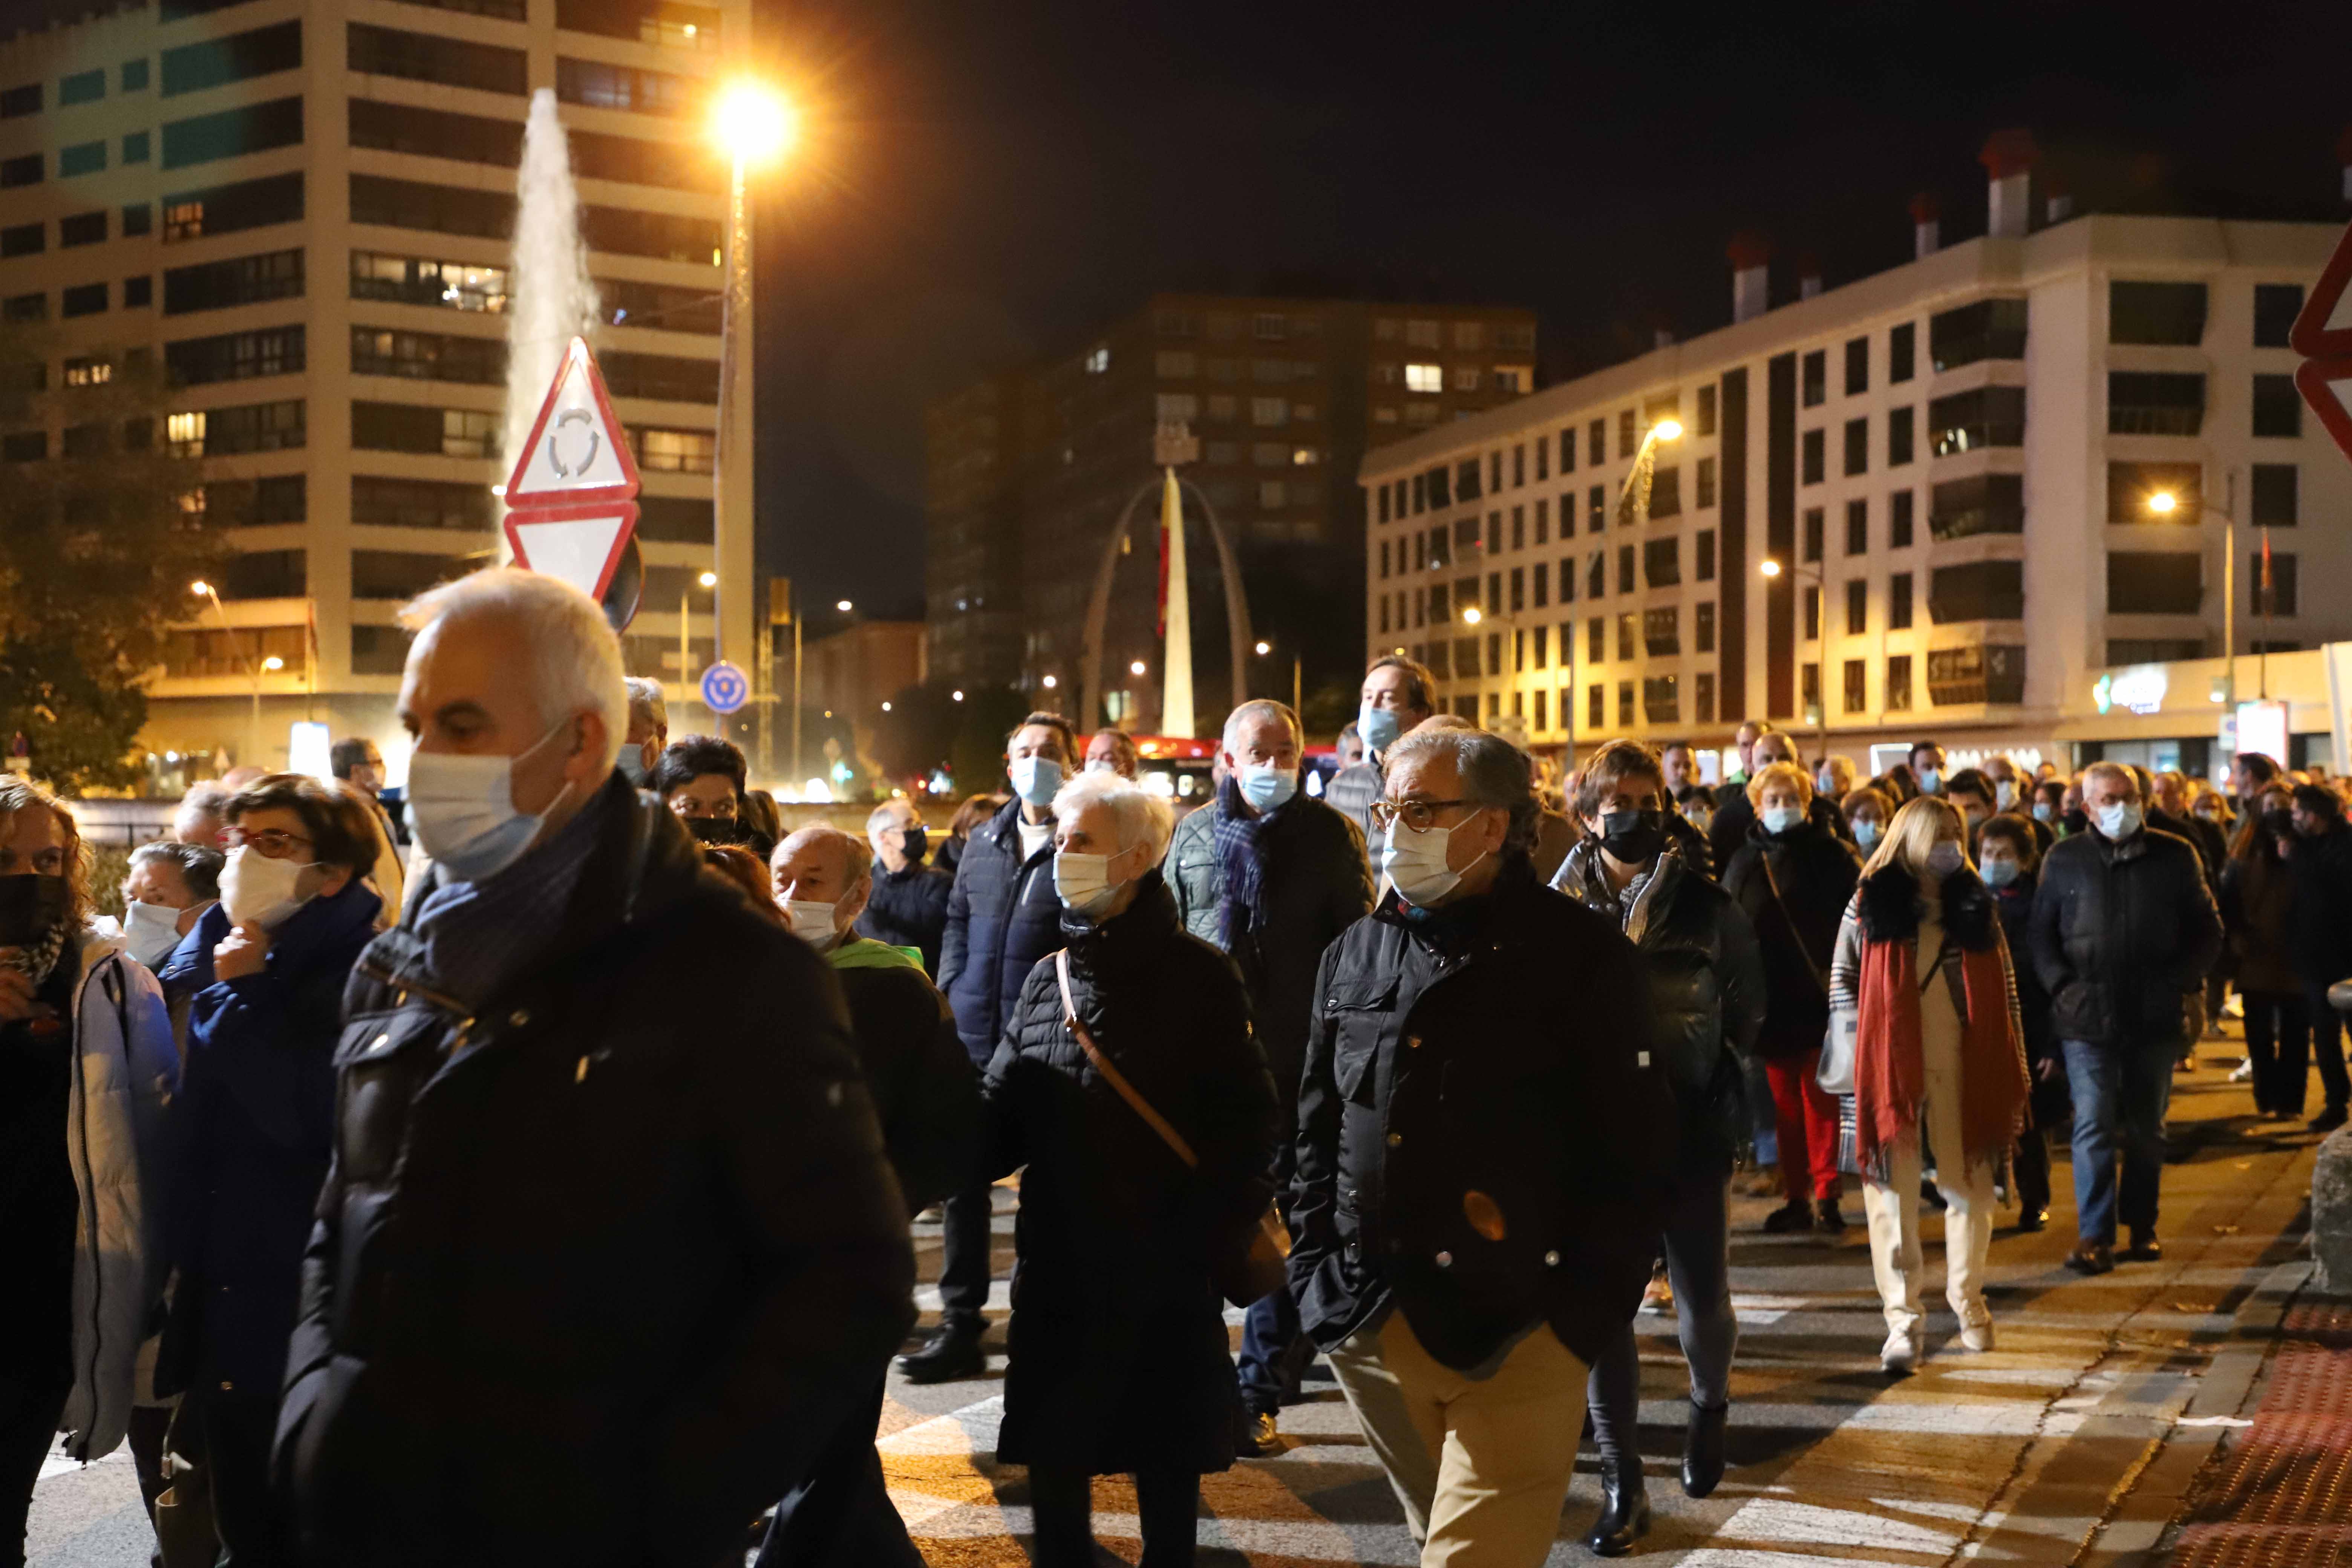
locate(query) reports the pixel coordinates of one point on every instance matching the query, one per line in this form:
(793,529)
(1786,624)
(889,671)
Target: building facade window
(1857,366)
(2278,407)
(1857,447)
(2275,503)
(2156,312)
(1898,683)
(237,280)
(2276,305)
(240,56)
(1898,610)
(1857,686)
(235,356)
(1899,509)
(233,133)
(1857,606)
(1816,378)
(1815,462)
(1987,329)
(2155,403)
(228,209)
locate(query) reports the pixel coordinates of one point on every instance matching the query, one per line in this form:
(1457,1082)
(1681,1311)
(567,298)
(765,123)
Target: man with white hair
(909,905)
(609,1247)
(928,1097)
(648,734)
(1271,876)
(202,815)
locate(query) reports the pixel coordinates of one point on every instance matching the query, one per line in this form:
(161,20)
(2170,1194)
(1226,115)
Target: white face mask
(462,813)
(1780,819)
(1416,864)
(2119,819)
(257,890)
(151,932)
(1084,882)
(2004,794)
(811,921)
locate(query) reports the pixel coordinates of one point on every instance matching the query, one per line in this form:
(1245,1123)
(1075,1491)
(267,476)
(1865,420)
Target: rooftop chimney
(1750,256)
(1808,275)
(1927,231)
(2007,158)
(2058,203)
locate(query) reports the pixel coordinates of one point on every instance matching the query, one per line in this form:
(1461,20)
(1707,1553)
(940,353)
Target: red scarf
(1890,1077)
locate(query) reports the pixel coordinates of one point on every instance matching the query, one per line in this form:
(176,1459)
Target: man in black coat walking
(1271,877)
(908,904)
(1003,917)
(1482,1167)
(2319,864)
(2124,929)
(609,1247)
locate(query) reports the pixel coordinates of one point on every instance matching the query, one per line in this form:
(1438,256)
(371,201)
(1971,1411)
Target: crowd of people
(525,1174)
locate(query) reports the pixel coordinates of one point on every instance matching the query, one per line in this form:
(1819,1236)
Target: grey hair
(2113,770)
(1493,772)
(647,703)
(1142,815)
(574,661)
(857,858)
(884,817)
(199,868)
(1263,707)
(209,797)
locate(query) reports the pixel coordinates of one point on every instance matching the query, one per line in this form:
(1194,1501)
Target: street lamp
(844,605)
(2164,503)
(1772,567)
(685,625)
(1265,648)
(203,590)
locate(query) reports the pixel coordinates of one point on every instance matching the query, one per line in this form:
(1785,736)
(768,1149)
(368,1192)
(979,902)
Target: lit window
(1425,378)
(1305,457)
(1099,362)
(185,432)
(88,372)
(1466,378)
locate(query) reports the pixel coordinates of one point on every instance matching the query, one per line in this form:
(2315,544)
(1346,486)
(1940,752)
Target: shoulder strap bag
(1242,1274)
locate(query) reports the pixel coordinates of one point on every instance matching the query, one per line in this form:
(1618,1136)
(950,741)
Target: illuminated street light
(708,579)
(752,123)
(957,695)
(201,589)
(886,707)
(1136,668)
(1770,568)
(844,605)
(1472,615)
(1265,647)
(273,663)
(1051,682)
(2163,503)
(1667,430)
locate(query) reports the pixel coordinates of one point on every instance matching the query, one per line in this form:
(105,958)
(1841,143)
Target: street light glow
(957,695)
(886,707)
(844,605)
(2163,503)
(1667,430)
(1770,568)
(1265,647)
(273,662)
(1136,668)
(751,122)
(1472,615)
(201,589)
(1051,682)
(708,579)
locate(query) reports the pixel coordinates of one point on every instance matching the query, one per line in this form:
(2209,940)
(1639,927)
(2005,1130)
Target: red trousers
(1808,1127)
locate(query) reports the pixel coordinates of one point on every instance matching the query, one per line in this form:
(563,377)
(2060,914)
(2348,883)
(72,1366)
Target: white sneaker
(1900,1354)
(1977,1337)
(2243,1072)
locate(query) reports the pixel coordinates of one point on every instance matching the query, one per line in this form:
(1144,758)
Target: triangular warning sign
(581,544)
(2322,329)
(577,451)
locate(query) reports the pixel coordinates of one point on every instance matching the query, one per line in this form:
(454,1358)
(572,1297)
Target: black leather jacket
(2122,934)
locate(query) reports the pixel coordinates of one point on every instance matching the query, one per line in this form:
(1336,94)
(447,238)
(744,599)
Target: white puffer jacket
(125,1072)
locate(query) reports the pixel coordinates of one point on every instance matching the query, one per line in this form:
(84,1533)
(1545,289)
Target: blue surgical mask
(2042,812)
(2120,820)
(1865,832)
(1377,726)
(1930,780)
(462,810)
(1037,780)
(1998,873)
(1780,819)
(1266,786)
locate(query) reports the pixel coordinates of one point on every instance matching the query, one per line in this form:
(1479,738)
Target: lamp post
(1771,566)
(1265,648)
(2164,503)
(685,625)
(203,590)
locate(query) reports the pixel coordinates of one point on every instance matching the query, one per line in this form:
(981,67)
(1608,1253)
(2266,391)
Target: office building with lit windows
(1919,504)
(304,209)
(1031,474)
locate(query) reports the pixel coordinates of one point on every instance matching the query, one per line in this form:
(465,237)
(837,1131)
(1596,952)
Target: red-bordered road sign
(581,544)
(577,451)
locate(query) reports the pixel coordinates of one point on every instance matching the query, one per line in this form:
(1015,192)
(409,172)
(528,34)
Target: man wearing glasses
(1482,1171)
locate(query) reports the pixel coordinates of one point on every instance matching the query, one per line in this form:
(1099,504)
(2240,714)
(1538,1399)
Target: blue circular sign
(725,688)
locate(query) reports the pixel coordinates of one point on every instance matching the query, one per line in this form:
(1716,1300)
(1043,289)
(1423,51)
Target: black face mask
(717,829)
(2279,823)
(1634,837)
(914,841)
(30,908)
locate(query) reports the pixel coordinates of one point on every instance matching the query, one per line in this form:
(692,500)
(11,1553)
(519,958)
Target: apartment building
(305,208)
(1041,480)
(1917,504)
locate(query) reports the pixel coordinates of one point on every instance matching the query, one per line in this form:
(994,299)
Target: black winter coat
(924,1091)
(1493,1046)
(1814,872)
(2014,904)
(1734,824)
(1003,915)
(909,908)
(602,1264)
(1706,991)
(1118,1338)
(2122,934)
(1316,885)
(2323,906)
(255,1124)
(2258,916)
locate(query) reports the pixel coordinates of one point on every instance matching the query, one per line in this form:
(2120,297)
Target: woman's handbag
(1242,1274)
(1835,1072)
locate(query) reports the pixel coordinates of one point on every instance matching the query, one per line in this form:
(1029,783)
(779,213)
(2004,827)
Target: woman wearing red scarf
(1921,984)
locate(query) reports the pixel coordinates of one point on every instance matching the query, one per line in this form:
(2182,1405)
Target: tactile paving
(2283,1497)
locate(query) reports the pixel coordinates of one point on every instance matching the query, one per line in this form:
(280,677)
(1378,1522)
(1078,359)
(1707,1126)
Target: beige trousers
(1481,1466)
(1892,1210)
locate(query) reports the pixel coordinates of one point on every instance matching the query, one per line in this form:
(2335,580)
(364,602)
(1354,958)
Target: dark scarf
(1245,843)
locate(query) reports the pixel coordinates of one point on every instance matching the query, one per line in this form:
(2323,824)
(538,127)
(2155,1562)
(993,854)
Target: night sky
(982,181)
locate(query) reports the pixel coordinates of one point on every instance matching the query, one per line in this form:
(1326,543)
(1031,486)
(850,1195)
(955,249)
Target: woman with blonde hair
(1924,1009)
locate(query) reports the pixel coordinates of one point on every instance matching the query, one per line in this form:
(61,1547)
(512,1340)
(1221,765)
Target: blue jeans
(1763,1112)
(2121,1094)
(1269,1344)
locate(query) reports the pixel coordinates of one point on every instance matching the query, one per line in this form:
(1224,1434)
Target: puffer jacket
(1118,1338)
(1003,915)
(603,1262)
(125,1074)
(1794,887)
(1316,885)
(1493,1046)
(1350,793)
(2123,933)
(1706,988)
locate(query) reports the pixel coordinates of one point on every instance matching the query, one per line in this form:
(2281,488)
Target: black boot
(951,1352)
(1625,1508)
(1703,1449)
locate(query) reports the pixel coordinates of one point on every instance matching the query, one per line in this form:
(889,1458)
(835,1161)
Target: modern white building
(1950,468)
(304,209)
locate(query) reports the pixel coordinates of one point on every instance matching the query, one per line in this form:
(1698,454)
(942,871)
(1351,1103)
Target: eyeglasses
(1421,816)
(274,843)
